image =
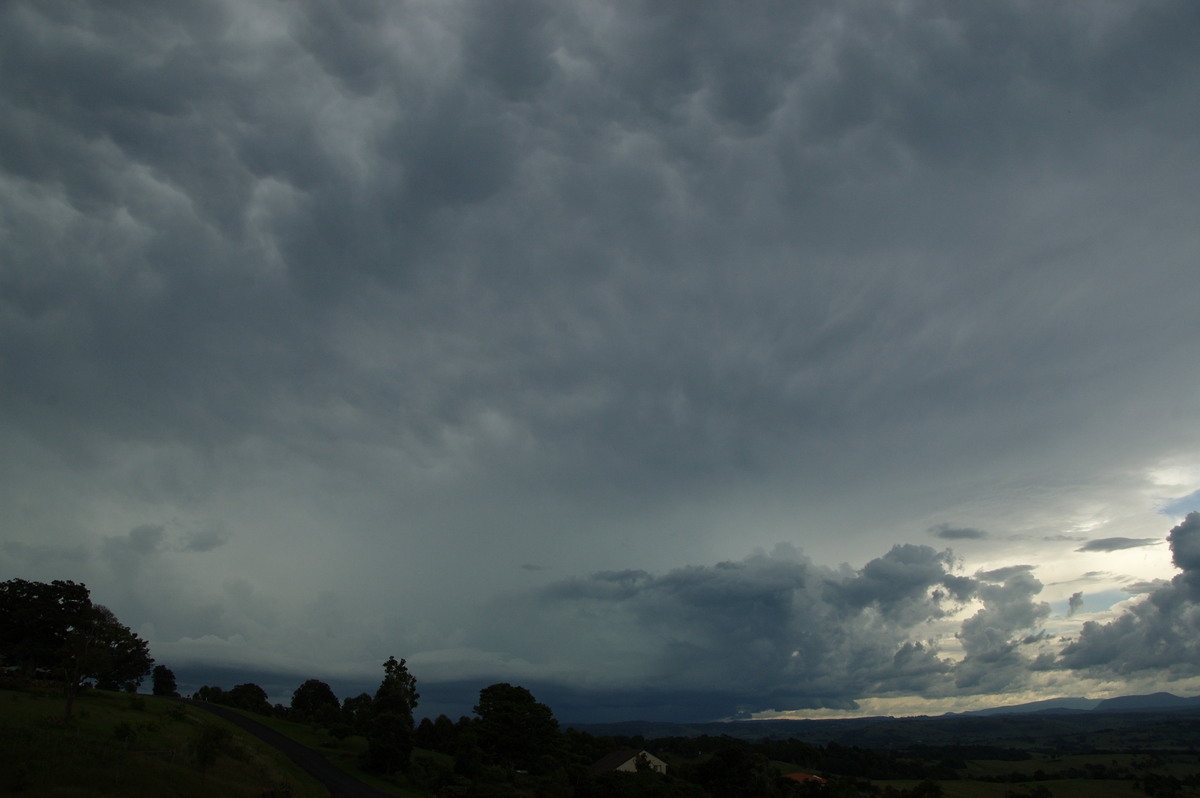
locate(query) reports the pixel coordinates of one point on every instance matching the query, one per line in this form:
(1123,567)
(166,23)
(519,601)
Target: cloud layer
(327,330)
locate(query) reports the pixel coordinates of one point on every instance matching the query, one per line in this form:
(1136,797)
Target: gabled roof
(614,760)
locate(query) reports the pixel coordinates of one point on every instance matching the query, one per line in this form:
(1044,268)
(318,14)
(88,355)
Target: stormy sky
(675,360)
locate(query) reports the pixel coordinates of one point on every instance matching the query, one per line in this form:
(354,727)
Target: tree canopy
(514,727)
(315,699)
(55,628)
(163,679)
(38,619)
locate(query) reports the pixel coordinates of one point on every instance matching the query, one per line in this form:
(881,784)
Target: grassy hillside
(346,754)
(128,745)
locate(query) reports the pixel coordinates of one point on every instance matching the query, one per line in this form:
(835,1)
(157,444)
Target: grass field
(128,745)
(347,753)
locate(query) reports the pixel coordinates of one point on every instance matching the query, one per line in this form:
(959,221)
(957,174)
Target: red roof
(806,777)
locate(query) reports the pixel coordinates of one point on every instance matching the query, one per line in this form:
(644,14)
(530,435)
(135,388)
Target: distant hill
(1057,721)
(1156,701)
(1048,705)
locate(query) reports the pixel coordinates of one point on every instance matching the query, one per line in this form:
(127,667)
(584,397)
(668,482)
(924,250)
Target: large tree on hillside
(315,700)
(250,697)
(36,620)
(55,627)
(390,727)
(163,679)
(115,657)
(514,727)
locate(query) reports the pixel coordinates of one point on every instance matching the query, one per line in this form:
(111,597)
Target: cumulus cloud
(1160,632)
(994,636)
(778,631)
(1075,603)
(1117,544)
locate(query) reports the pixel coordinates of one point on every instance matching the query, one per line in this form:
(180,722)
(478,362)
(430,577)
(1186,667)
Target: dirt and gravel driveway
(341,785)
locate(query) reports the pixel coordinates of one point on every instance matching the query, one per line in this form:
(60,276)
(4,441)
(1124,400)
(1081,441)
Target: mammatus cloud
(1117,544)
(311,311)
(1162,632)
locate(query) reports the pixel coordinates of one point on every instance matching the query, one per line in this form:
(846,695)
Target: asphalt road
(341,785)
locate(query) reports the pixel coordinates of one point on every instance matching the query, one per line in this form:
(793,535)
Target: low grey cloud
(1003,574)
(776,630)
(1160,632)
(1074,603)
(1138,588)
(948,532)
(201,540)
(139,542)
(25,555)
(1117,544)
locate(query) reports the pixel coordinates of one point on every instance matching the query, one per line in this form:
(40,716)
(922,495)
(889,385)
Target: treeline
(513,746)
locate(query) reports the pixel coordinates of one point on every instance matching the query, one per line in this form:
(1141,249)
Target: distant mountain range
(1055,718)
(1127,703)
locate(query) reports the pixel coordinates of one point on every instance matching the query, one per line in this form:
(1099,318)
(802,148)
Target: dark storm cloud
(994,636)
(473,208)
(947,532)
(455,287)
(1117,544)
(775,631)
(1161,632)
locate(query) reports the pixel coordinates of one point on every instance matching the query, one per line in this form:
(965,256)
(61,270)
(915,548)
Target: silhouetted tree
(37,619)
(250,697)
(390,728)
(356,712)
(314,700)
(56,627)
(213,695)
(735,772)
(514,728)
(112,654)
(163,680)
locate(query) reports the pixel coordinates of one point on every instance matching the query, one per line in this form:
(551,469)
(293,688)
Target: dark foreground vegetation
(65,730)
(123,744)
